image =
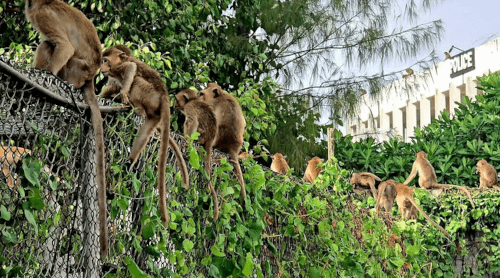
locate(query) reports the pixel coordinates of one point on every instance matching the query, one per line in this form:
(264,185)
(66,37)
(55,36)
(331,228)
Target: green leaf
(214,271)
(35,199)
(187,245)
(194,159)
(248,268)
(4,214)
(31,219)
(9,237)
(32,170)
(134,270)
(148,231)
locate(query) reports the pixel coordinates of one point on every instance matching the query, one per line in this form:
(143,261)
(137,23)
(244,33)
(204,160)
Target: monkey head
(278,156)
(211,91)
(421,154)
(183,97)
(112,57)
(480,165)
(354,179)
(315,160)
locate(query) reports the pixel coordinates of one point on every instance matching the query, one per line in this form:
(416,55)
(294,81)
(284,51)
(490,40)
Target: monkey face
(354,179)
(210,92)
(183,97)
(278,156)
(111,57)
(480,164)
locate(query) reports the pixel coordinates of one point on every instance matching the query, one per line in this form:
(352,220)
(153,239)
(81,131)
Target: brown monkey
(410,211)
(114,85)
(365,179)
(427,177)
(386,195)
(231,126)
(201,118)
(9,156)
(146,91)
(409,72)
(312,169)
(488,175)
(405,194)
(279,164)
(70,49)
(447,55)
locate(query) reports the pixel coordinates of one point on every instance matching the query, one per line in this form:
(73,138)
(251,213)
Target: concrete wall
(400,111)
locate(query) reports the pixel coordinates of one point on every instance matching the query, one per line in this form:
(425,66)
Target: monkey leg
(371,182)
(142,139)
(112,87)
(43,55)
(91,99)
(237,170)
(63,51)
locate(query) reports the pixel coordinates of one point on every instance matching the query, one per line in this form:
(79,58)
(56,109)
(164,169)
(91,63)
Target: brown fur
(405,194)
(427,176)
(71,49)
(201,118)
(9,156)
(312,171)
(244,155)
(365,179)
(488,175)
(409,72)
(279,164)
(386,195)
(146,91)
(114,85)
(231,126)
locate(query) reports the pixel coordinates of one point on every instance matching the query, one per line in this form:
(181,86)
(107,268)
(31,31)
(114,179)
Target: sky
(466,23)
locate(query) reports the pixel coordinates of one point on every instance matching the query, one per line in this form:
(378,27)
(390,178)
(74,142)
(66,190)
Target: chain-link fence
(48,187)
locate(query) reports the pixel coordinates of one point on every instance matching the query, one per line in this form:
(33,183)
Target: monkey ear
(186,98)
(123,55)
(216,93)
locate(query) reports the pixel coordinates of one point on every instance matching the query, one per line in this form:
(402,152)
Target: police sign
(462,63)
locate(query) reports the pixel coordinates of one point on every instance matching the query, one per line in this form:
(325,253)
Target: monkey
(71,49)
(405,195)
(312,169)
(9,156)
(488,175)
(410,211)
(427,176)
(114,85)
(447,55)
(386,195)
(146,91)
(363,92)
(201,118)
(231,126)
(279,164)
(365,179)
(244,155)
(409,72)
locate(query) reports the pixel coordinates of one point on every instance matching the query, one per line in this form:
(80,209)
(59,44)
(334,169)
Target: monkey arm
(112,87)
(126,71)
(412,174)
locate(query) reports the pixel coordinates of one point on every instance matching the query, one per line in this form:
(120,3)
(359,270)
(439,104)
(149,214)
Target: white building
(398,113)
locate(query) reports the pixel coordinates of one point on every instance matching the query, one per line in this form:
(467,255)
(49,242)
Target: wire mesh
(52,230)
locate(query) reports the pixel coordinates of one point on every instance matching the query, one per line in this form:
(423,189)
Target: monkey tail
(428,218)
(462,189)
(181,162)
(162,160)
(496,187)
(91,99)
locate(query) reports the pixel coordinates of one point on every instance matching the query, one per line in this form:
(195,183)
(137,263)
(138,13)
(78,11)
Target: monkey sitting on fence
(279,164)
(312,170)
(201,118)
(427,176)
(365,179)
(488,177)
(146,91)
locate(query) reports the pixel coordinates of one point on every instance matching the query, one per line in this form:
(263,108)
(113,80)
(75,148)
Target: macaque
(365,179)
(9,156)
(231,126)
(405,195)
(488,175)
(410,211)
(201,118)
(409,72)
(146,91)
(312,170)
(279,164)
(70,49)
(427,177)
(386,195)
(114,85)
(447,56)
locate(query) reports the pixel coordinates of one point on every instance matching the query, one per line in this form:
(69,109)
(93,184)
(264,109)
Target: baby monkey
(386,195)
(488,175)
(201,118)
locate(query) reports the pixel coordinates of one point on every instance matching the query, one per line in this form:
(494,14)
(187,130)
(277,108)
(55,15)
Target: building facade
(397,113)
